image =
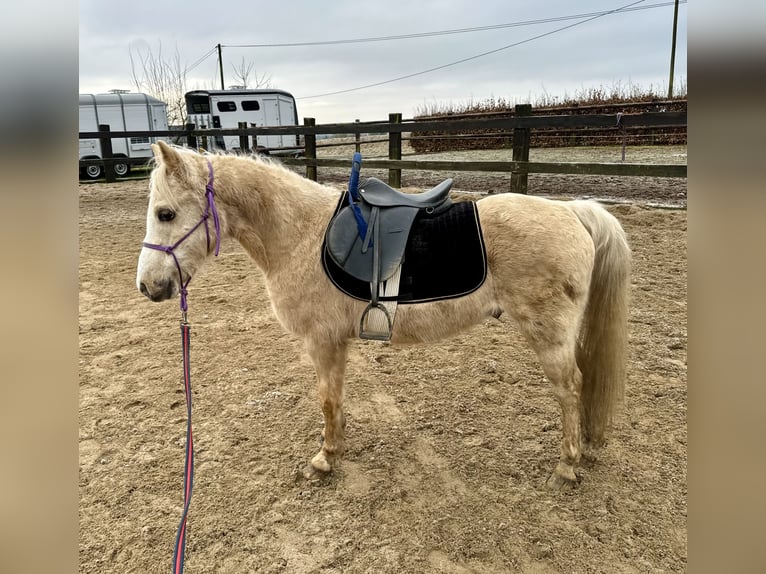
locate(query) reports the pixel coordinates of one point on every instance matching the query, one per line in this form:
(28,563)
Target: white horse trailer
(122,112)
(258,108)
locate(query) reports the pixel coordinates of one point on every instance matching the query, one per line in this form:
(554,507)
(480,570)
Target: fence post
(358,139)
(191,139)
(106,153)
(244,143)
(521,138)
(395,151)
(310,141)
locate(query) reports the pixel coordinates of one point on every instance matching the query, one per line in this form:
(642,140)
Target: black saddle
(423,244)
(389,215)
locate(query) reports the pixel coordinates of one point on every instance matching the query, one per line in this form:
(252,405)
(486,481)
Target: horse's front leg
(329,360)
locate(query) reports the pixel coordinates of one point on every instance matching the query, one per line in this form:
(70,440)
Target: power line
(453,31)
(203,58)
(625,8)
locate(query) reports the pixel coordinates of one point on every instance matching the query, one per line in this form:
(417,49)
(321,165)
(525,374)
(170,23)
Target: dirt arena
(449,445)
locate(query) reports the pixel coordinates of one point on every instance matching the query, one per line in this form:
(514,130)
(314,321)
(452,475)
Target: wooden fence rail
(652,119)
(521,167)
(520,126)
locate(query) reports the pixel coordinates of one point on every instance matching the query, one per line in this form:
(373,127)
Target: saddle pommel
(377,193)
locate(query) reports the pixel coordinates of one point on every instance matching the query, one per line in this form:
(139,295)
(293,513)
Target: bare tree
(242,74)
(165,78)
(161,77)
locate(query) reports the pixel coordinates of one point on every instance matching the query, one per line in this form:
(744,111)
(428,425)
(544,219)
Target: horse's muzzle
(162,290)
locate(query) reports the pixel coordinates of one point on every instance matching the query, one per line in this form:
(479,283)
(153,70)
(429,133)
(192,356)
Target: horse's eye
(166,215)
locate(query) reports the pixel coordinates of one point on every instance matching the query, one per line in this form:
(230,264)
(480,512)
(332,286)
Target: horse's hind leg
(330,363)
(557,358)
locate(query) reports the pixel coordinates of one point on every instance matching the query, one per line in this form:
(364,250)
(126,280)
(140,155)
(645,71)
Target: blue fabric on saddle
(444,256)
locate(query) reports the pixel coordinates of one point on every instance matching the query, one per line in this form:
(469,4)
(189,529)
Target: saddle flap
(346,248)
(342,234)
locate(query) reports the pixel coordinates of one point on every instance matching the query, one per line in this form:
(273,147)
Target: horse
(559,269)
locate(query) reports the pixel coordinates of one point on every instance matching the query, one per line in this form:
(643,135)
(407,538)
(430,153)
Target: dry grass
(629,98)
(617,93)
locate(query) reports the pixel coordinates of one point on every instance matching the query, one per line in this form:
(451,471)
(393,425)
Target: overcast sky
(621,49)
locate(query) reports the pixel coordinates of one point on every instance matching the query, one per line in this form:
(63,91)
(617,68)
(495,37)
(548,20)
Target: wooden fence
(520,126)
(559,137)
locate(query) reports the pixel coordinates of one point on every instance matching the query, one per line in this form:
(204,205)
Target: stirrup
(379,323)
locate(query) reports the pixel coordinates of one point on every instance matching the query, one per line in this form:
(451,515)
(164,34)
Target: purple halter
(209,208)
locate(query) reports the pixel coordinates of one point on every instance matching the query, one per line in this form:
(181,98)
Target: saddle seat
(377,193)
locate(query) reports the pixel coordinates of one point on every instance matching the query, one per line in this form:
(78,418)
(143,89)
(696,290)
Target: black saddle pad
(445,257)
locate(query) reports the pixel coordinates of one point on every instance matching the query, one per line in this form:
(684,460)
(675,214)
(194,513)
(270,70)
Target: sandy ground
(448,445)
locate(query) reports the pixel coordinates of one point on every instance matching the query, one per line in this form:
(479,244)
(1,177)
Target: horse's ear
(164,154)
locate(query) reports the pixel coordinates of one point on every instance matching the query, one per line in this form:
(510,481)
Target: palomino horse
(559,269)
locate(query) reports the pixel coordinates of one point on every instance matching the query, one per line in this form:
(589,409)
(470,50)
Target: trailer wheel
(121,169)
(93,171)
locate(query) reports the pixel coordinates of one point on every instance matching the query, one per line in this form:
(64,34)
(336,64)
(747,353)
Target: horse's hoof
(312,474)
(563,477)
(558,482)
(318,468)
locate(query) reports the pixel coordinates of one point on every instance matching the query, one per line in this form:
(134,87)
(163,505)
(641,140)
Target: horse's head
(181,223)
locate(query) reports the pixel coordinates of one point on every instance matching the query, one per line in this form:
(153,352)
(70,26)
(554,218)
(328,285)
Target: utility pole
(220,59)
(673,51)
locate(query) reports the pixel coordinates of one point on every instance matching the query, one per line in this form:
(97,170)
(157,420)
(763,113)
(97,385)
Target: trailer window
(226,106)
(199,107)
(198,103)
(251,105)
(139,140)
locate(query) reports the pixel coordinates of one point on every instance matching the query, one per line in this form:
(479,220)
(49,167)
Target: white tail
(602,349)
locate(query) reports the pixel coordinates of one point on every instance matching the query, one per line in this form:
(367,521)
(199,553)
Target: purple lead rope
(210,208)
(180,546)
